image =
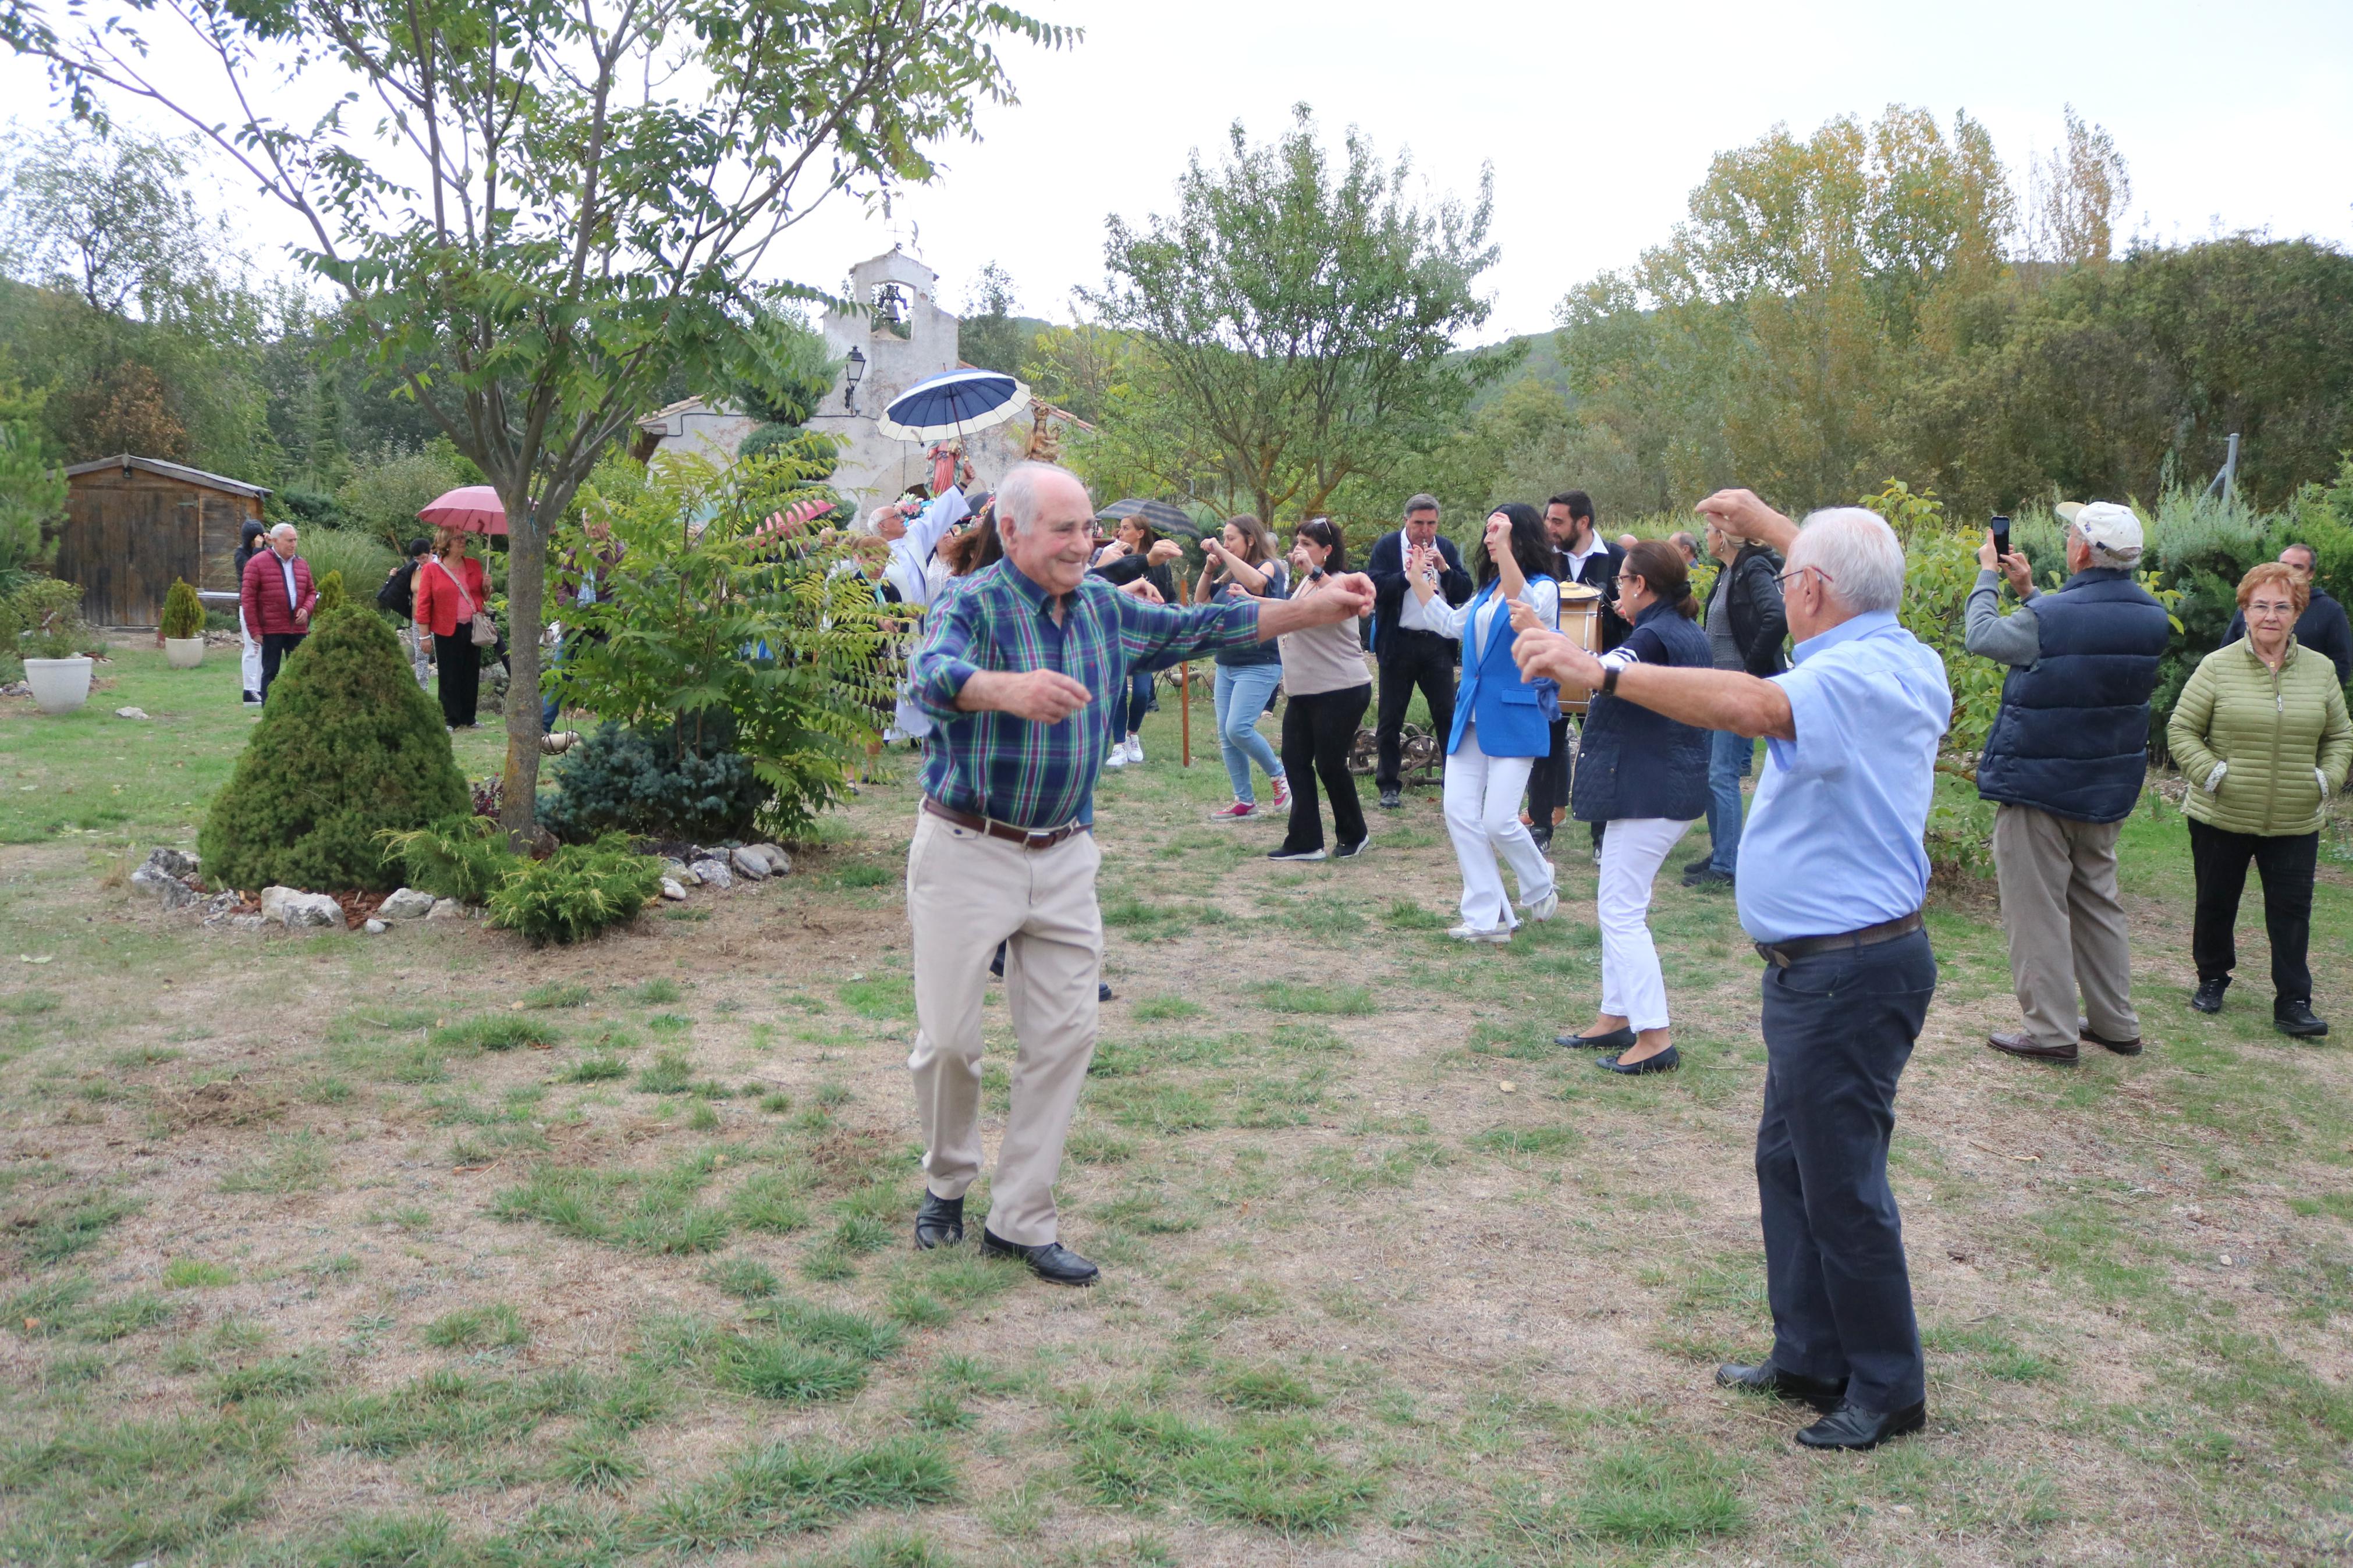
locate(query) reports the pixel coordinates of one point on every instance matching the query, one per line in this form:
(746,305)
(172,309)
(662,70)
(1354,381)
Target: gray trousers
(2065,924)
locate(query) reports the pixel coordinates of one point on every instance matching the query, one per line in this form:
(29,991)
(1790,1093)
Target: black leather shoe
(1391,799)
(1702,864)
(1667,1060)
(1852,1426)
(1054,1263)
(2087,1036)
(2293,1016)
(1103,990)
(2210,995)
(939,1223)
(1542,836)
(1707,877)
(997,964)
(1823,1394)
(1615,1040)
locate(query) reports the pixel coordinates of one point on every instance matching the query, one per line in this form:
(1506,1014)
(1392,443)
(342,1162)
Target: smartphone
(2000,526)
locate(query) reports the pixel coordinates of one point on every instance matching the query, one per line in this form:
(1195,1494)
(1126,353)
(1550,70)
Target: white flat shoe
(1496,937)
(1543,909)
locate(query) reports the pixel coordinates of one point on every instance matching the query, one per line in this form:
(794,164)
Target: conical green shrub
(349,745)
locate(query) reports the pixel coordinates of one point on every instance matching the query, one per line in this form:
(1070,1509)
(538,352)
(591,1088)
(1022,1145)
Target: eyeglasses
(1783,580)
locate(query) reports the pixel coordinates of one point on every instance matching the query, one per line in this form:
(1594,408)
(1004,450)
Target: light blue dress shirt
(1833,842)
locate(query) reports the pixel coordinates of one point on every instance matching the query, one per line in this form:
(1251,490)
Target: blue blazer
(1506,708)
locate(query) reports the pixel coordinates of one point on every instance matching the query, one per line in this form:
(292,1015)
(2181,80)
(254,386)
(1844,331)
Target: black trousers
(1410,659)
(1839,1027)
(460,663)
(1548,779)
(275,646)
(1317,731)
(2286,864)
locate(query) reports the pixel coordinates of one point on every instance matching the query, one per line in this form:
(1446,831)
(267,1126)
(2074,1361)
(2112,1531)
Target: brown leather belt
(1781,955)
(1028,838)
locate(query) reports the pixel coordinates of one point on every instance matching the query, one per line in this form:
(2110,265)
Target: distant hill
(1543,364)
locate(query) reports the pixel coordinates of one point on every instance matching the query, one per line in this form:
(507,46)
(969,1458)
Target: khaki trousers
(2066,926)
(966,893)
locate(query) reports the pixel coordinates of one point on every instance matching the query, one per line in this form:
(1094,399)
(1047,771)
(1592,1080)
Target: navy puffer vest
(1633,762)
(2072,735)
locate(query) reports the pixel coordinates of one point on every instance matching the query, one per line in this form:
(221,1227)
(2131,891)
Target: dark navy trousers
(1839,1027)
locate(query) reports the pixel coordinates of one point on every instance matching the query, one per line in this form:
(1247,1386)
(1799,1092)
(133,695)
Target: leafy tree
(349,748)
(1300,317)
(542,232)
(2078,199)
(724,627)
(32,495)
(992,335)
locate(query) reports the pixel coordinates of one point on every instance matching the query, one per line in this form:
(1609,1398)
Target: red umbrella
(474,508)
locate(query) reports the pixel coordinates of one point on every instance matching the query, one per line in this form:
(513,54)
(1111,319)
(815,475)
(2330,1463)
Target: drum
(1580,622)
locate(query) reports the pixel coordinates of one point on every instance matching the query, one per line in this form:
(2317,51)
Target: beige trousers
(966,893)
(2066,926)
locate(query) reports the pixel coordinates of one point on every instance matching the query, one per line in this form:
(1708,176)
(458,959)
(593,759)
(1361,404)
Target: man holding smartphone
(2063,765)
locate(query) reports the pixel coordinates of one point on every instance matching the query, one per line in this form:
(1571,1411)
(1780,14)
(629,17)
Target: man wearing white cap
(2065,763)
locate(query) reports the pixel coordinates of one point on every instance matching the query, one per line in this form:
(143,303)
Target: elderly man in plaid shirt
(1023,673)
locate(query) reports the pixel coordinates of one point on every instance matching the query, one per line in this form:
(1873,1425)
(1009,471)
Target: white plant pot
(183,653)
(60,685)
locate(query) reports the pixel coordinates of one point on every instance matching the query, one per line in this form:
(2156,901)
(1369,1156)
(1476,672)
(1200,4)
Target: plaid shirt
(1019,771)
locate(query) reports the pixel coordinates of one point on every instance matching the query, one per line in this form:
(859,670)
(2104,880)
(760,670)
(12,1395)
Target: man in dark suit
(2322,628)
(1584,557)
(1407,654)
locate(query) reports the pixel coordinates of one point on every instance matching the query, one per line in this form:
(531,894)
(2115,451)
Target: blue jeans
(1139,701)
(1728,759)
(1241,697)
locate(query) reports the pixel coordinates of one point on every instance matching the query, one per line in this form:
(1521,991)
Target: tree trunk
(526,595)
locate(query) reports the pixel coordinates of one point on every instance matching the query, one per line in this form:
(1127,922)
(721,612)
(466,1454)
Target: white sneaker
(1135,748)
(1543,909)
(1118,758)
(1498,936)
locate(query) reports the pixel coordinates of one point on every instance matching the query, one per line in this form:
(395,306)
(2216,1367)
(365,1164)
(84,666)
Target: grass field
(430,1250)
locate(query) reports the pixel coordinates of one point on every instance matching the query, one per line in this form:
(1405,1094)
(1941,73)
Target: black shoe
(1543,836)
(1283,852)
(1103,990)
(1615,1040)
(1702,864)
(1350,851)
(1391,799)
(939,1223)
(2085,1035)
(1054,1263)
(2210,995)
(1667,1060)
(1707,877)
(1823,1394)
(2293,1016)
(1851,1425)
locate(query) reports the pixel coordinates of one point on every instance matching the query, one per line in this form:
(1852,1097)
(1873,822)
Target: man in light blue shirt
(1832,874)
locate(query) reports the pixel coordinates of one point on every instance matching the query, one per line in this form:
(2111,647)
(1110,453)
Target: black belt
(1781,955)
(1028,838)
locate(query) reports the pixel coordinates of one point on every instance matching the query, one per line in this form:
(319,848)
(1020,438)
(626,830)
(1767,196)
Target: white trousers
(1482,814)
(249,654)
(1632,853)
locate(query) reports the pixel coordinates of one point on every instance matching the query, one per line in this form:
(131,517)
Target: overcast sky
(1600,119)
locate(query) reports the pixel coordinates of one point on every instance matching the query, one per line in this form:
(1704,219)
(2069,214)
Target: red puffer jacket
(264,593)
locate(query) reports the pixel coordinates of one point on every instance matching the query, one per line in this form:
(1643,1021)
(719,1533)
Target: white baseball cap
(2113,531)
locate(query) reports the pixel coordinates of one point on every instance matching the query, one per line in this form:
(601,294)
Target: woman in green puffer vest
(2261,735)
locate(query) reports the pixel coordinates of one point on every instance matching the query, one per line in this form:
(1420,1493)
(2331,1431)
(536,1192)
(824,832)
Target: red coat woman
(449,591)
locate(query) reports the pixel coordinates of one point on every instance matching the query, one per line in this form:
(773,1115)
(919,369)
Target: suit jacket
(262,591)
(1601,572)
(1494,695)
(1386,567)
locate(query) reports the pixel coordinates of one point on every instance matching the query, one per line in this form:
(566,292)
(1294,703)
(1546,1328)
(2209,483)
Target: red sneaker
(1235,812)
(1283,793)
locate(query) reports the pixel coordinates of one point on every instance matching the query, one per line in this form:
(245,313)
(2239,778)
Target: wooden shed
(134,524)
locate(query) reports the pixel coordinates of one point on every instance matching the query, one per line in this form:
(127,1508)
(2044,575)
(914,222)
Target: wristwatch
(1610,680)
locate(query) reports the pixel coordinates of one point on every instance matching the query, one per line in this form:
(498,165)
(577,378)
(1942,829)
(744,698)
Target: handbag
(483,630)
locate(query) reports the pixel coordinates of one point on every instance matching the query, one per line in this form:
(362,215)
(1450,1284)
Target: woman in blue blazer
(1500,723)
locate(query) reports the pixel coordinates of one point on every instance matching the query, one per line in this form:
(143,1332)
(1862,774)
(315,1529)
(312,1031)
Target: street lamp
(850,387)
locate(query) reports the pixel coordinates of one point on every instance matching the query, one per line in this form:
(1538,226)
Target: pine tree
(348,746)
